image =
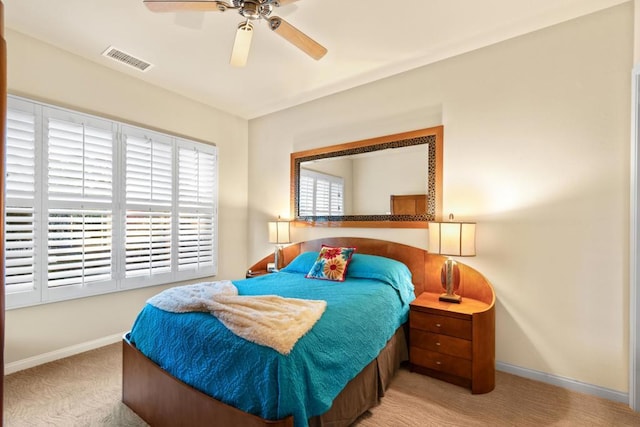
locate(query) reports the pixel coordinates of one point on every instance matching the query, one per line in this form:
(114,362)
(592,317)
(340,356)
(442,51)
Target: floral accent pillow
(331,264)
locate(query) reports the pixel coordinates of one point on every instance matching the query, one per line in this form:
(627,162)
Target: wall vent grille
(127,59)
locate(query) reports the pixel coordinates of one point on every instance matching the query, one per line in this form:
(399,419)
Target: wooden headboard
(425,267)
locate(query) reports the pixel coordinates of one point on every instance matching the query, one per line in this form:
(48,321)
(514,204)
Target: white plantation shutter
(80,162)
(20,156)
(306,196)
(335,198)
(79,246)
(19,249)
(149,175)
(197,194)
(148,243)
(80,202)
(95,206)
(149,170)
(322,197)
(320,194)
(20,190)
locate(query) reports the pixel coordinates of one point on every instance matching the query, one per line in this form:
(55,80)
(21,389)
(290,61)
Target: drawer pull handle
(437,325)
(438,344)
(438,363)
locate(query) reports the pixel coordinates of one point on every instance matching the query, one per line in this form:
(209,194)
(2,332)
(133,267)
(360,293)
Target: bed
(334,373)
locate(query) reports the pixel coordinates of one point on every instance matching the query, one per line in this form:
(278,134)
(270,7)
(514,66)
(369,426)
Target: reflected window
(320,194)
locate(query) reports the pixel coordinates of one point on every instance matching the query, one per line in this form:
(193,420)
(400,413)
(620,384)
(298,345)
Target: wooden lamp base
(450,298)
(450,278)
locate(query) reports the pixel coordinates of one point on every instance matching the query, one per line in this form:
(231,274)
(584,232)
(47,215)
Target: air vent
(130,60)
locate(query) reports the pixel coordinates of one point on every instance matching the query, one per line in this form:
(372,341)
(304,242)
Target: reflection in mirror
(391,181)
(355,185)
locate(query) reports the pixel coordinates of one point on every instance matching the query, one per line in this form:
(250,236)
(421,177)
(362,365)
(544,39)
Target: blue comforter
(361,316)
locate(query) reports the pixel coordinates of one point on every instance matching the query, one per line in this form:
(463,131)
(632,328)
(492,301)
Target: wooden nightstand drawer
(451,326)
(454,342)
(440,343)
(441,362)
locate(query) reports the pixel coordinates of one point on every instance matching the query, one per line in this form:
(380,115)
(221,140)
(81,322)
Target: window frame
(32,296)
(137,281)
(58,203)
(198,210)
(41,292)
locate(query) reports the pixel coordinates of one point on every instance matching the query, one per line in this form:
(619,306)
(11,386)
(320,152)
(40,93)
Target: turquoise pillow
(302,263)
(388,270)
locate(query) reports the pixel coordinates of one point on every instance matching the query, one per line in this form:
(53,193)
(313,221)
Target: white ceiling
(367,40)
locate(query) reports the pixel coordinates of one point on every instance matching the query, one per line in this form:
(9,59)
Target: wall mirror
(393,181)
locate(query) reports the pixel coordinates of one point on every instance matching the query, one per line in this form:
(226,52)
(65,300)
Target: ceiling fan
(251,10)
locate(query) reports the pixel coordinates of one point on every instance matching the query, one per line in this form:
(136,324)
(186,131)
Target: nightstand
(453,342)
(255,273)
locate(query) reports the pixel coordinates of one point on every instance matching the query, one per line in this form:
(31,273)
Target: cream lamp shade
(279,232)
(452,239)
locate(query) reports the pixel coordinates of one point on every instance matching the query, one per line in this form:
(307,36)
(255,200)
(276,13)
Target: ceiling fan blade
(177,6)
(297,38)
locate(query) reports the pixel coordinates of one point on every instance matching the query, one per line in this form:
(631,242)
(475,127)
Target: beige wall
(536,150)
(405,172)
(636,29)
(40,71)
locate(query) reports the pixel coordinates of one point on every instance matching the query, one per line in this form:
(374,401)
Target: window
(77,210)
(320,194)
(95,206)
(148,199)
(196,248)
(23,128)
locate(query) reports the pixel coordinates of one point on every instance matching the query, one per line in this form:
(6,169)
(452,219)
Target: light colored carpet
(82,390)
(85,390)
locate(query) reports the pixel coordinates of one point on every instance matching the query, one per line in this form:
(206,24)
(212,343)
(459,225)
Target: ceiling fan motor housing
(254,9)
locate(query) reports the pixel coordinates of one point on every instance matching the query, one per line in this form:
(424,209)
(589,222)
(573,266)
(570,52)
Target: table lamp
(452,238)
(279,234)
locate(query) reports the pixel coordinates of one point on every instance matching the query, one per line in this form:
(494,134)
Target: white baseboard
(563,382)
(40,359)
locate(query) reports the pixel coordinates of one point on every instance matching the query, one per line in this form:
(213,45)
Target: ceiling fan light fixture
(241,45)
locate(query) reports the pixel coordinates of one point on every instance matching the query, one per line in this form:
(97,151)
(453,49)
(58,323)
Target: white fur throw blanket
(268,320)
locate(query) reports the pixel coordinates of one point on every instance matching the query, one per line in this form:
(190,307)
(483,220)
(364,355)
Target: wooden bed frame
(162,400)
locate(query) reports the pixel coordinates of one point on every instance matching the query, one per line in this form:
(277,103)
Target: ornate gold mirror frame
(432,137)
